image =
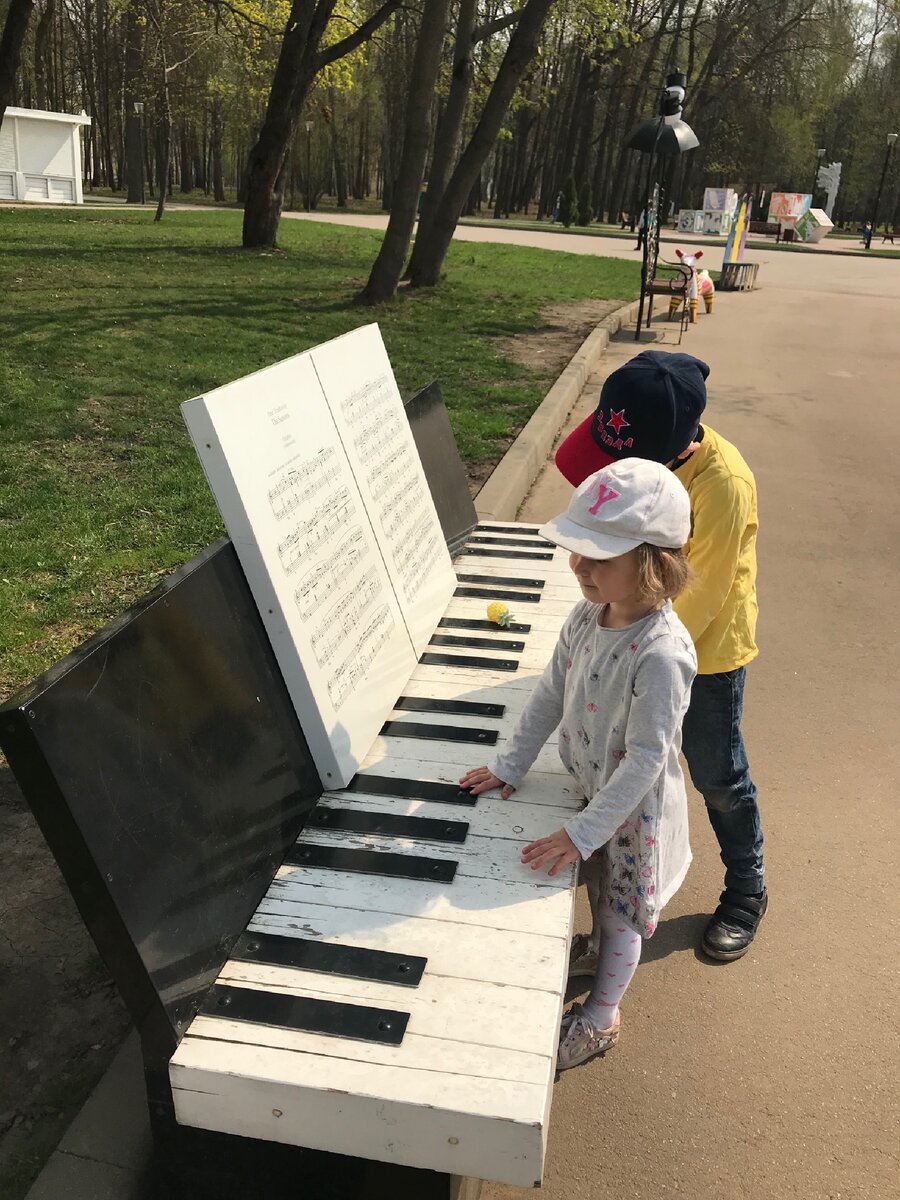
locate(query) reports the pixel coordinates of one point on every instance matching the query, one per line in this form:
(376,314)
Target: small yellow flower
(499,613)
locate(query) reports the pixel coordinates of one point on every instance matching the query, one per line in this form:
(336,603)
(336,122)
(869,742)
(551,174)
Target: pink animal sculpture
(700,285)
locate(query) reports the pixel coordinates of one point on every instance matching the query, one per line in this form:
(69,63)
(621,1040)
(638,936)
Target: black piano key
(329,1017)
(523,529)
(411,789)
(448,639)
(309,954)
(480,593)
(540,544)
(439,733)
(501,581)
(470,661)
(372,862)
(354,820)
(465,623)
(459,708)
(531,555)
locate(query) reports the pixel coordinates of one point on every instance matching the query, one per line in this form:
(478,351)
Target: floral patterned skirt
(624,873)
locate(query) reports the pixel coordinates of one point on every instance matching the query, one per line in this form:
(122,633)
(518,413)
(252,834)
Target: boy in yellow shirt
(651,408)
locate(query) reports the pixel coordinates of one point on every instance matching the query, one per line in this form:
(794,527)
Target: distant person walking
(641,230)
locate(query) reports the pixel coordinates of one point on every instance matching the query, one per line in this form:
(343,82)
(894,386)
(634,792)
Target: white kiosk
(40,156)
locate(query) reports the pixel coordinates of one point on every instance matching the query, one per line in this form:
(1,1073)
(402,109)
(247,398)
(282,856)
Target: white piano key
(520,822)
(460,754)
(470,1010)
(448,1055)
(519,907)
(502,726)
(556,569)
(452,949)
(556,788)
(481,857)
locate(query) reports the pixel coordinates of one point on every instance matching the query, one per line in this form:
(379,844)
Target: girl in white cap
(617,685)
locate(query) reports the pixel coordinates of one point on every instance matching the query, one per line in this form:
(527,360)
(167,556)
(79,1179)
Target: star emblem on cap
(617,421)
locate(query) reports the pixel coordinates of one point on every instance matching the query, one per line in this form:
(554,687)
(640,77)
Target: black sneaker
(733,925)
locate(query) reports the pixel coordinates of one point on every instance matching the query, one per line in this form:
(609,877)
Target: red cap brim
(579,455)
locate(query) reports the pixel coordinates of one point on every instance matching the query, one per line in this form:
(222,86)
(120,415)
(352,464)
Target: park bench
(672,280)
(166,766)
(765,229)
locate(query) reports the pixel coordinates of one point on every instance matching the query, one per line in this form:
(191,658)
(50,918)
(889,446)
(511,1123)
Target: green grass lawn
(110,321)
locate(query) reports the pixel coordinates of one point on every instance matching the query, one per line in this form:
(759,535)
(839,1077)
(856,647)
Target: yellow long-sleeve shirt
(720,608)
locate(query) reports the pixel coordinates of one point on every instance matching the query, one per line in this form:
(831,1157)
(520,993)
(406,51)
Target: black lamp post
(309,126)
(661,137)
(891,143)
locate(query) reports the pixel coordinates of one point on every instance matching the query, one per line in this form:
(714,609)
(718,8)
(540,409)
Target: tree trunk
(14,30)
(164,145)
(134,123)
(388,266)
(298,63)
(340,172)
(449,130)
(42,54)
(187,161)
(521,50)
(218,175)
(290,85)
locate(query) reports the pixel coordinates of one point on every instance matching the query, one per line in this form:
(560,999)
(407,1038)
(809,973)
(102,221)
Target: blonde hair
(663,574)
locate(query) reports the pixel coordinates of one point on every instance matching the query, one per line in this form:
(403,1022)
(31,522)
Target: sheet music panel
(368,411)
(314,469)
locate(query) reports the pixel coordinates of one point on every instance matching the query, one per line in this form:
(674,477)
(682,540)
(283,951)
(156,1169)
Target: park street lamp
(660,137)
(891,143)
(309,126)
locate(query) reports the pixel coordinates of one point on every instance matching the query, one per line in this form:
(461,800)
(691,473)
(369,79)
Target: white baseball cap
(620,507)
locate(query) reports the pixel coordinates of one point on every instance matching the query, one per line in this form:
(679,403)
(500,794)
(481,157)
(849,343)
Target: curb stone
(507,486)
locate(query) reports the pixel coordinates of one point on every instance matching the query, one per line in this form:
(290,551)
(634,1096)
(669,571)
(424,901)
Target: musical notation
(374,442)
(317,529)
(413,584)
(400,509)
(393,472)
(367,402)
(319,583)
(342,618)
(361,656)
(301,483)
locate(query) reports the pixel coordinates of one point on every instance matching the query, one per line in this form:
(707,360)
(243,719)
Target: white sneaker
(582,957)
(580,1041)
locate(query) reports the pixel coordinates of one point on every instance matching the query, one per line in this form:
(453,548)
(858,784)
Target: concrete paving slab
(113,1126)
(67,1177)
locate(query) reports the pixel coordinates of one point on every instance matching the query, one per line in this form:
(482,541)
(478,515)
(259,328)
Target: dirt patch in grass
(548,348)
(562,330)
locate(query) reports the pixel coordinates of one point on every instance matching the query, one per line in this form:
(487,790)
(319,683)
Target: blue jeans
(714,749)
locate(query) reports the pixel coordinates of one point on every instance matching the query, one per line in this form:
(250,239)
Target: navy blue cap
(649,408)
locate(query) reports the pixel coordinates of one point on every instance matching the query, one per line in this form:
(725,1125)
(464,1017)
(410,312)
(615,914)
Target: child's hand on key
(554,852)
(480,779)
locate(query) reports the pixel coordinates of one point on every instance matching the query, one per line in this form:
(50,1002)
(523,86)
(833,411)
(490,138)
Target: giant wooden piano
(341,973)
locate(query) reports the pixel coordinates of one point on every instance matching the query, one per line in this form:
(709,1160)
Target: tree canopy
(202,92)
